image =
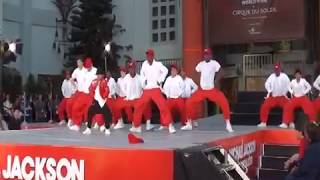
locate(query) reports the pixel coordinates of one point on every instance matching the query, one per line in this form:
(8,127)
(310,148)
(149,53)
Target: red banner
(67,163)
(245,21)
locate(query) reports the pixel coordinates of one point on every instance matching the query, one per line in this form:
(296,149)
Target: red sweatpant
(298,102)
(177,106)
(129,109)
(111,103)
(70,103)
(80,108)
(316,105)
(62,109)
(269,104)
(213,95)
(144,101)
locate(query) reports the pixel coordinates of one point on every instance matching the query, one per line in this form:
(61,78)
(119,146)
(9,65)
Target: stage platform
(98,156)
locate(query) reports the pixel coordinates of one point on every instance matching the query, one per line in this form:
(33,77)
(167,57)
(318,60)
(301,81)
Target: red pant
(111,103)
(144,101)
(129,109)
(300,102)
(119,107)
(62,109)
(71,102)
(213,95)
(177,106)
(80,108)
(270,103)
(316,105)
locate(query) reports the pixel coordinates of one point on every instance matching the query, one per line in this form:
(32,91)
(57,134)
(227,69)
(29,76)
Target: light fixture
(107,47)
(13,47)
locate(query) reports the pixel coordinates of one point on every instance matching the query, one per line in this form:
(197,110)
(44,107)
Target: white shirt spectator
(154,74)
(79,76)
(121,89)
(89,77)
(134,87)
(277,85)
(316,83)
(208,71)
(189,87)
(112,87)
(67,88)
(299,89)
(173,87)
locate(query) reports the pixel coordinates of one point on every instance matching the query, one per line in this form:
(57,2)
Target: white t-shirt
(154,74)
(121,87)
(208,71)
(134,87)
(278,85)
(89,77)
(80,76)
(67,88)
(112,87)
(299,89)
(189,87)
(173,87)
(316,83)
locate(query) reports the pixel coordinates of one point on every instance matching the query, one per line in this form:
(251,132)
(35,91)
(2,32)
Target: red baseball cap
(123,69)
(174,66)
(277,66)
(207,51)
(131,64)
(150,52)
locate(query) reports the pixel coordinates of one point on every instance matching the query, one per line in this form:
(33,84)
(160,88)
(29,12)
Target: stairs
(246,111)
(272,161)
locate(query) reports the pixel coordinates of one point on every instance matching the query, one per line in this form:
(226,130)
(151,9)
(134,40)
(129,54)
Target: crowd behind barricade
(17,108)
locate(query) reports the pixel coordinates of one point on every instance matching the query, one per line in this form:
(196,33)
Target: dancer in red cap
(67,89)
(99,92)
(121,88)
(299,88)
(173,88)
(208,69)
(112,97)
(83,102)
(153,74)
(316,102)
(277,86)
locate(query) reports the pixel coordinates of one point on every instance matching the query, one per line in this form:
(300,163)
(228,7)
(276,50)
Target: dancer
(121,90)
(277,86)
(99,92)
(67,89)
(153,74)
(173,88)
(316,102)
(83,102)
(208,69)
(299,88)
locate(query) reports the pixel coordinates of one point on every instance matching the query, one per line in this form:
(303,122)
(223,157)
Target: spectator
(309,166)
(7,107)
(40,109)
(15,119)
(3,124)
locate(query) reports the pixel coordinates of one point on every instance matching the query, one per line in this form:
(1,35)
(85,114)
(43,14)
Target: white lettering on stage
(244,152)
(38,168)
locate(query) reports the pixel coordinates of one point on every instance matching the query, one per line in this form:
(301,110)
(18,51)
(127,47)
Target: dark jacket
(309,165)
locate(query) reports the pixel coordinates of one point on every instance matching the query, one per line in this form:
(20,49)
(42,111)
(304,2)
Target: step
(248,96)
(279,150)
(273,162)
(272,174)
(254,119)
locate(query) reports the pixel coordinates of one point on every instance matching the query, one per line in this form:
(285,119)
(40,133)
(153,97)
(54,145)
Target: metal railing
(256,64)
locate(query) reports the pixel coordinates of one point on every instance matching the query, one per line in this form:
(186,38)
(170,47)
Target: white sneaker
(172,130)
(161,128)
(96,126)
(187,127)
(262,125)
(75,128)
(63,122)
(102,128)
(136,129)
(107,132)
(112,126)
(283,126)
(292,125)
(69,123)
(195,124)
(119,125)
(87,131)
(229,127)
(149,126)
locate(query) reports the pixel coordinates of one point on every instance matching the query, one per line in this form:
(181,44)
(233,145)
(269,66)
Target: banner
(245,21)
(29,162)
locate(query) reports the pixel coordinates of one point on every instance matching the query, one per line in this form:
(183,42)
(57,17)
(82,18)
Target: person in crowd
(15,119)
(7,106)
(40,109)
(277,87)
(299,89)
(208,68)
(307,167)
(173,89)
(153,74)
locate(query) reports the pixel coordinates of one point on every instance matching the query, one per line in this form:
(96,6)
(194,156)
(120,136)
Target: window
(163,20)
